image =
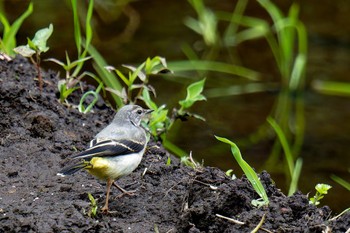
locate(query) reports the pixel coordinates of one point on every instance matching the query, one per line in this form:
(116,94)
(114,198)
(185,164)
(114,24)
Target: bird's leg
(124,192)
(105,207)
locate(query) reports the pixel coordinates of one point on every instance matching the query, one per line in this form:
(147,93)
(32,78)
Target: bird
(116,151)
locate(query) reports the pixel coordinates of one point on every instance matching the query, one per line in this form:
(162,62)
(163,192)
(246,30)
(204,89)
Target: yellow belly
(113,167)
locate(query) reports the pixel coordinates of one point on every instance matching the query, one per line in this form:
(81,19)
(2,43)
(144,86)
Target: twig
(230,219)
(212,187)
(264,229)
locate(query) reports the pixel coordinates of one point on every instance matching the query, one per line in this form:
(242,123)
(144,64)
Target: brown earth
(37,133)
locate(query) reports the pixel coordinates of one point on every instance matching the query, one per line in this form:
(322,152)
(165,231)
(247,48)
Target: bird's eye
(139,112)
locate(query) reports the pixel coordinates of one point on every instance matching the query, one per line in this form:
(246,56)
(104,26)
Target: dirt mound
(37,133)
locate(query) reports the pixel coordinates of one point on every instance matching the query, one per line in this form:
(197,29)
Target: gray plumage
(115,151)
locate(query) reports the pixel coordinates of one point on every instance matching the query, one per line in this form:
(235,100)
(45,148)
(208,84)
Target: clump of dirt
(37,133)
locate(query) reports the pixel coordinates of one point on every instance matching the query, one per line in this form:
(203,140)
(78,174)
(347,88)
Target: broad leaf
(41,38)
(193,94)
(24,50)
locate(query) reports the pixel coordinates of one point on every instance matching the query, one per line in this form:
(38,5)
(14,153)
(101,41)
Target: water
(160,31)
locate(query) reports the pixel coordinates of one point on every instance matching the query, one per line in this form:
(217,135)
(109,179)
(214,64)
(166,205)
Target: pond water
(158,29)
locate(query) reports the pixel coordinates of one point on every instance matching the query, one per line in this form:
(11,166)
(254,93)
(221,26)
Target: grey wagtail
(116,151)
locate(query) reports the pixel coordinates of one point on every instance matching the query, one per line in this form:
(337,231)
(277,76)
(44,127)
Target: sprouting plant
(73,76)
(230,174)
(194,94)
(321,191)
(189,161)
(249,172)
(140,74)
(94,94)
(36,46)
(93,211)
(160,122)
(168,161)
(68,85)
(8,40)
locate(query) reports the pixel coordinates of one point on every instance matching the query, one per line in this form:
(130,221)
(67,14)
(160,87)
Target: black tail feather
(69,170)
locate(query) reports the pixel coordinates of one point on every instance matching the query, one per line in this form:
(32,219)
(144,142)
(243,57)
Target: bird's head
(132,113)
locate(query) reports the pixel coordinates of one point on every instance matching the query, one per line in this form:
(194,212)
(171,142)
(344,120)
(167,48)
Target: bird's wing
(110,147)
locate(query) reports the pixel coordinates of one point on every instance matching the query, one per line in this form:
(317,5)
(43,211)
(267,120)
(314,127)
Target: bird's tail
(71,169)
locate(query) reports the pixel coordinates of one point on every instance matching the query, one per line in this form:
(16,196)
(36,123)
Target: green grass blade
(231,30)
(109,79)
(88,33)
(77,32)
(9,39)
(79,40)
(295,177)
(240,89)
(6,28)
(284,143)
(297,71)
(341,181)
(332,87)
(173,148)
(274,12)
(247,169)
(214,66)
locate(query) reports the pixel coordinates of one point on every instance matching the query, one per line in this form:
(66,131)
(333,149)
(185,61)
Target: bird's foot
(104,210)
(108,212)
(124,192)
(129,193)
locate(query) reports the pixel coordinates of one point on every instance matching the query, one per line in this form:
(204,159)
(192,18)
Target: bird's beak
(148,111)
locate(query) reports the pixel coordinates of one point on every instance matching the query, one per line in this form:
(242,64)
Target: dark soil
(37,133)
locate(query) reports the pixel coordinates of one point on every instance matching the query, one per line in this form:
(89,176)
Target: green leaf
(109,79)
(195,89)
(122,77)
(322,188)
(151,64)
(284,143)
(24,50)
(193,94)
(341,181)
(81,106)
(76,62)
(168,162)
(93,204)
(178,66)
(58,62)
(64,90)
(41,38)
(77,33)
(9,36)
(147,99)
(173,148)
(247,169)
(31,45)
(136,72)
(88,27)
